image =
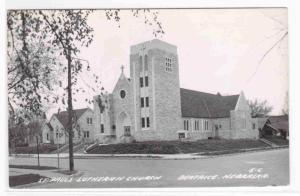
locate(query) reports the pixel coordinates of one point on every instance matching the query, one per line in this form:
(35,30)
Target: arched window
(146,62)
(141,63)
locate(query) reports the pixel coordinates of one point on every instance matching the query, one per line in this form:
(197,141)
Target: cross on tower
(143,48)
(122,68)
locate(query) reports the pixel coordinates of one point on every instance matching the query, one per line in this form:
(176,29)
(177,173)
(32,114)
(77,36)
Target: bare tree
(259,108)
(285,110)
(61,32)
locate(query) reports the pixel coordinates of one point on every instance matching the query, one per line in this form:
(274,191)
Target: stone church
(150,105)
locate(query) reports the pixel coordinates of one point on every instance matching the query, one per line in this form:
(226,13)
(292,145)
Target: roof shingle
(63,116)
(205,105)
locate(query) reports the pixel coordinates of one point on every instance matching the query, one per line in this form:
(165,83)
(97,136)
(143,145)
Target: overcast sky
(218,49)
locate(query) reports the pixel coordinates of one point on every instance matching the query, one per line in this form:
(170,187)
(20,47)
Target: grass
(277,140)
(174,147)
(32,167)
(24,179)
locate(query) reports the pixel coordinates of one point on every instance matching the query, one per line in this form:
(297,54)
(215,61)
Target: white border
(294,64)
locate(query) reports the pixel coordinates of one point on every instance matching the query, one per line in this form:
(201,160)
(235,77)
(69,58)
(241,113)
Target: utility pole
(37,149)
(57,154)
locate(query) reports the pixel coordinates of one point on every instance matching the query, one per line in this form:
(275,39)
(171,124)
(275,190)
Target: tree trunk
(70,111)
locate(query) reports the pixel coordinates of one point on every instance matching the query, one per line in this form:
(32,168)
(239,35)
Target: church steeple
(122,69)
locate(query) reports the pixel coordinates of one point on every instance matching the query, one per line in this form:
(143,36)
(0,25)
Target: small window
(89,120)
(142,102)
(47,136)
(141,82)
(127,131)
(181,135)
(168,64)
(86,134)
(146,81)
(147,101)
(186,125)
(253,126)
(196,125)
(206,127)
(122,94)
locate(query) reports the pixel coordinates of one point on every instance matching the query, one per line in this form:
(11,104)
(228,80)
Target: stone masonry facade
(148,105)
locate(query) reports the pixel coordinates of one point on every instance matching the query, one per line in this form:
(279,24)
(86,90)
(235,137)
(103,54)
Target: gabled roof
(205,105)
(63,116)
(50,127)
(279,122)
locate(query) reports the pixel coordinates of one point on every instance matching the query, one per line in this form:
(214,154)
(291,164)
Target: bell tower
(155,74)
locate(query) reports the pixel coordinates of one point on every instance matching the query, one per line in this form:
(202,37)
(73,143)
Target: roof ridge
(209,93)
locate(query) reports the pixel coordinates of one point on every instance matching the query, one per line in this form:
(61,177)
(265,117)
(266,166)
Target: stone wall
(163,91)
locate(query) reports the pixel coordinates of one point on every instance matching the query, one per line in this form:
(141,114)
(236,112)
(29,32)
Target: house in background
(47,133)
(277,125)
(55,130)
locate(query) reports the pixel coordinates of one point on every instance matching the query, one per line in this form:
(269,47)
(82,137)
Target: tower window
(143,122)
(142,102)
(141,82)
(146,63)
(141,63)
(168,64)
(102,128)
(146,81)
(147,101)
(148,122)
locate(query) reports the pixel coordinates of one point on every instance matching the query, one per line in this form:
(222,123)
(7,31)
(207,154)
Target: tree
(259,108)
(65,32)
(285,110)
(30,73)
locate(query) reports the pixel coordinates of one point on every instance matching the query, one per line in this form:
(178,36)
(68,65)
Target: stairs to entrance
(65,148)
(268,142)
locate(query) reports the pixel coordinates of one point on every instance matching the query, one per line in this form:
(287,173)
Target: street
(249,169)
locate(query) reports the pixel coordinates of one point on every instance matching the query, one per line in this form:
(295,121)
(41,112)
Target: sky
(219,50)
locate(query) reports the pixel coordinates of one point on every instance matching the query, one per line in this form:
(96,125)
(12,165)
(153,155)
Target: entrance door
(127,131)
(216,131)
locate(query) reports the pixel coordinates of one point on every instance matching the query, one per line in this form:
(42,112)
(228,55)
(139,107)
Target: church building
(150,105)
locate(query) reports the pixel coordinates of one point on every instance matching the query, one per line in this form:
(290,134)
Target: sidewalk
(149,156)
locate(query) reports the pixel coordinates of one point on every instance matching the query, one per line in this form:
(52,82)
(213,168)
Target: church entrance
(123,125)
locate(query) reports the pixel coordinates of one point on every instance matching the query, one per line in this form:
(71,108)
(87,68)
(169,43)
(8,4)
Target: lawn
(174,147)
(277,140)
(24,179)
(32,167)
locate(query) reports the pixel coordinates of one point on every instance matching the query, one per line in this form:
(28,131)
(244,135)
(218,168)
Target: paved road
(270,168)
